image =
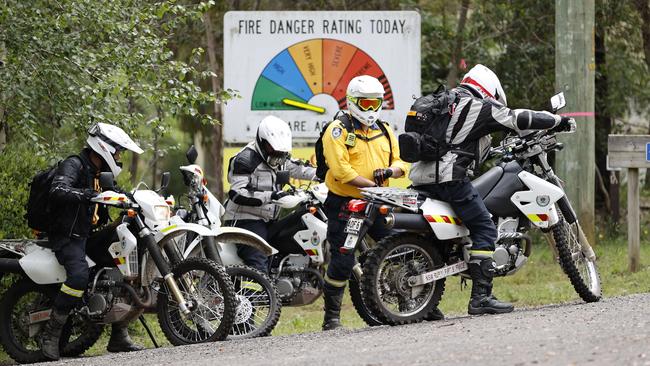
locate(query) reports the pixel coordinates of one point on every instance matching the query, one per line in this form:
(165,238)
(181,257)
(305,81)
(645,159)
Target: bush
(18,168)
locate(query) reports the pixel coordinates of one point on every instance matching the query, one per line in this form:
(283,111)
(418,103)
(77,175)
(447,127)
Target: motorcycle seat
(486,182)
(44,243)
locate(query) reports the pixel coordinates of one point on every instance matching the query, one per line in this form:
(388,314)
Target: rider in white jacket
(252,174)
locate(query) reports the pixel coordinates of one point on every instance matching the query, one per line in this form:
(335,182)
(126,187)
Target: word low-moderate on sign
(297,65)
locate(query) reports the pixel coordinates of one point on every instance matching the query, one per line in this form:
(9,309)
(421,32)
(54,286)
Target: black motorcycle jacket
(69,202)
(473,120)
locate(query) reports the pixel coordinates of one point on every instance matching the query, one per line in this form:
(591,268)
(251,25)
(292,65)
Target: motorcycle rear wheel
(259,307)
(25,297)
(385,279)
(207,286)
(582,271)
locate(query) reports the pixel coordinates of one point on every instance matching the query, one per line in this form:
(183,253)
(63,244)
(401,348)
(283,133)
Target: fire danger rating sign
(296,66)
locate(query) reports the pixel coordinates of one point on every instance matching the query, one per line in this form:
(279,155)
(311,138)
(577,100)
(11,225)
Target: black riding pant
(340,267)
(469,206)
(71,254)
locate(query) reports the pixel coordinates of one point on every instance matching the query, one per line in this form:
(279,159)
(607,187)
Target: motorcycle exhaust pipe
(11,265)
(406,221)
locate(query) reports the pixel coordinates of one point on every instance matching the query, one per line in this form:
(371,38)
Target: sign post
(631,152)
(296,65)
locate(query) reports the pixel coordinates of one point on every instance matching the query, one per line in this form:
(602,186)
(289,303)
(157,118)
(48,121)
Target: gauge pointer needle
(302,105)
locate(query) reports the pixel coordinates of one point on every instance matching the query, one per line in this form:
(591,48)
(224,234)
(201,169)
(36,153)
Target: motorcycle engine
(108,304)
(298,283)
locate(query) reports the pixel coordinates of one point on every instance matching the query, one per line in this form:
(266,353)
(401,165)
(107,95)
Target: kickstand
(146,327)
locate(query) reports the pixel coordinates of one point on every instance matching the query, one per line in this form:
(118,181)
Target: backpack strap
(383,126)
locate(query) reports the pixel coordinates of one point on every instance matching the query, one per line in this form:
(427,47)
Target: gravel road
(615,331)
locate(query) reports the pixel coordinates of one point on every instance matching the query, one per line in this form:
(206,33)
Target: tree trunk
(458,47)
(3,126)
(603,118)
(216,146)
(135,158)
(643,7)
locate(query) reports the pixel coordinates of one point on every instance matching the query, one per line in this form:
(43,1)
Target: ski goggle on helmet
(367,104)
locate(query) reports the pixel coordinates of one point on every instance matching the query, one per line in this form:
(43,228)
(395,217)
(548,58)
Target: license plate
(445,272)
(353,226)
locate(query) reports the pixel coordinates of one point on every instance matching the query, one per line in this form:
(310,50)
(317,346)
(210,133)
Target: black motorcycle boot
(49,339)
(120,340)
(481,269)
(333,297)
(435,314)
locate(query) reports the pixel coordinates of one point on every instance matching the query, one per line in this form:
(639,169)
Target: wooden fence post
(633,217)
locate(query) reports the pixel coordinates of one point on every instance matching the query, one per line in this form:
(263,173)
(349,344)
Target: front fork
(360,243)
(163,266)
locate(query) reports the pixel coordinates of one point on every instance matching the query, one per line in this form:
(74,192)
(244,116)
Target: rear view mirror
(192,154)
(558,102)
(282,177)
(106,181)
(164,180)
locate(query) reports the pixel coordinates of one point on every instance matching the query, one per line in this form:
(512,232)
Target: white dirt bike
(259,307)
(195,299)
(404,275)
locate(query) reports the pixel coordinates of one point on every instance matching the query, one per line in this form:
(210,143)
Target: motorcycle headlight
(161,213)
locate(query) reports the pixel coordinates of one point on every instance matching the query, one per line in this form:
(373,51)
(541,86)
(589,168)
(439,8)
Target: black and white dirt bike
(259,307)
(298,242)
(404,275)
(195,299)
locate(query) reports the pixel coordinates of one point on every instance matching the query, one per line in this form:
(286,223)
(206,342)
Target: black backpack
(426,127)
(38,211)
(321,165)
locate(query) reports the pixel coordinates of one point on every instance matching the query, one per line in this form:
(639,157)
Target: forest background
(155,69)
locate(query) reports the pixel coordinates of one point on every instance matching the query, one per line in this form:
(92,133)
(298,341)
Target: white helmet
(274,140)
(106,140)
(365,97)
(485,82)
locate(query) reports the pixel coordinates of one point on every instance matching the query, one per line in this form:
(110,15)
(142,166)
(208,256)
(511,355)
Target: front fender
(183,226)
(236,235)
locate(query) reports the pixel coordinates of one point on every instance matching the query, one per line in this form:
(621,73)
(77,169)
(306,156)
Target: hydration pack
(425,137)
(38,210)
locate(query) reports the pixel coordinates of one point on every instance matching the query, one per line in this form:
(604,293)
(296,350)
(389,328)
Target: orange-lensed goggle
(366,104)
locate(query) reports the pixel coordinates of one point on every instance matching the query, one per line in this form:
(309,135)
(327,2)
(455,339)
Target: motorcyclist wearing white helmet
(478,109)
(360,151)
(75,183)
(252,174)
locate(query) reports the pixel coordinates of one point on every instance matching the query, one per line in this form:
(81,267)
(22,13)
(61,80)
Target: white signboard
(296,66)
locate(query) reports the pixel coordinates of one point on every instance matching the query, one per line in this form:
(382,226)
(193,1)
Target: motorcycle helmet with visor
(274,141)
(484,81)
(108,141)
(365,97)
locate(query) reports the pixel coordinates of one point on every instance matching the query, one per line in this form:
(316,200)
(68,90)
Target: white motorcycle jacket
(252,181)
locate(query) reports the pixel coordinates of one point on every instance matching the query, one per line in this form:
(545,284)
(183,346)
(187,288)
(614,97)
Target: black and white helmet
(106,140)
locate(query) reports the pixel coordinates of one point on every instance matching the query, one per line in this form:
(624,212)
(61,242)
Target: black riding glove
(89,194)
(567,124)
(382,175)
(279,194)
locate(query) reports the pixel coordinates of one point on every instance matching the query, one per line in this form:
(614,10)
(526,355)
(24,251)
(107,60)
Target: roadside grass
(540,282)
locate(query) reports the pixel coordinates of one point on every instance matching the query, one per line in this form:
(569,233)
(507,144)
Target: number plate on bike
(353,226)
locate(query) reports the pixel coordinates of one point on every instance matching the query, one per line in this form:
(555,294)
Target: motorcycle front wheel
(259,309)
(206,286)
(581,270)
(386,272)
(18,334)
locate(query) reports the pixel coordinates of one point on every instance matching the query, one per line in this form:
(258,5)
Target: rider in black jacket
(73,216)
